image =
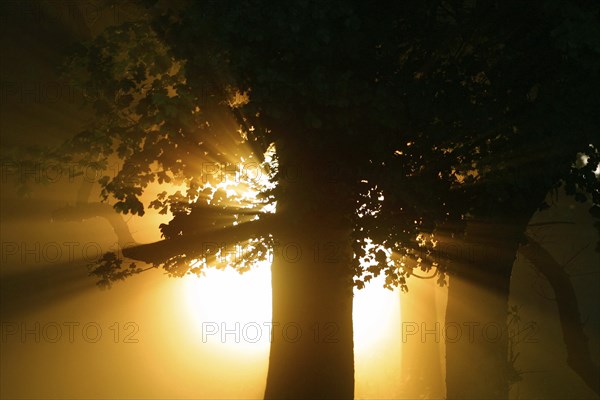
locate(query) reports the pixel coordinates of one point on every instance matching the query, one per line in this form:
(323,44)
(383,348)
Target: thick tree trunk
(312,338)
(476,334)
(312,343)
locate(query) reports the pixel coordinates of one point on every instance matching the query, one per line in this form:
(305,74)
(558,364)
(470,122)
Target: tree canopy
(424,110)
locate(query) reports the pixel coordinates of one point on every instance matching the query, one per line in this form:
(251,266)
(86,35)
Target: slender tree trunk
(312,339)
(576,341)
(475,331)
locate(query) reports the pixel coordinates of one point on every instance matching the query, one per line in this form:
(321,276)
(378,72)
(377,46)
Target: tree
(155,113)
(512,105)
(388,125)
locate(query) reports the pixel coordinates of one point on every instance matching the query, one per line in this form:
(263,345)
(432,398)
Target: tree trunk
(312,345)
(576,341)
(476,334)
(312,339)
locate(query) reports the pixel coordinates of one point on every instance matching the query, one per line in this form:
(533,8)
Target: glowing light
(377,340)
(231,310)
(375,312)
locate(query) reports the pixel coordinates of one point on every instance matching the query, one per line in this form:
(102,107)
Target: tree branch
(159,252)
(83,211)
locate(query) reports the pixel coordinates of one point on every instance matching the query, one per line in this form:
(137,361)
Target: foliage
(110,269)
(429,112)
